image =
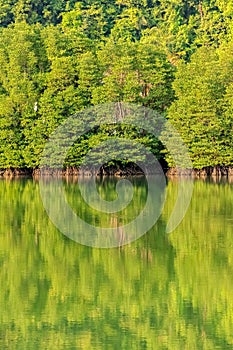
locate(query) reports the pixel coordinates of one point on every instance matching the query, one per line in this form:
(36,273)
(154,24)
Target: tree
(197,111)
(44,12)
(20,80)
(134,72)
(129,25)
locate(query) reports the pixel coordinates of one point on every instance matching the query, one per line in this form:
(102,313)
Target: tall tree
(197,111)
(20,80)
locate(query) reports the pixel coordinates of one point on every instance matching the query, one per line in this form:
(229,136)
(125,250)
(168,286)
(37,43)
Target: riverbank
(217,171)
(132,170)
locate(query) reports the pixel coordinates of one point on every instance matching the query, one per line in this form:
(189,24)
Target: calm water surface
(161,292)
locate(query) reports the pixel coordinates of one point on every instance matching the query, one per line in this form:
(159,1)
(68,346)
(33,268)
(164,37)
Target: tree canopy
(59,57)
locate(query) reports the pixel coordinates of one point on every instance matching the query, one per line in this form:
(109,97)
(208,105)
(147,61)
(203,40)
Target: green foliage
(36,11)
(199,112)
(134,72)
(21,80)
(59,57)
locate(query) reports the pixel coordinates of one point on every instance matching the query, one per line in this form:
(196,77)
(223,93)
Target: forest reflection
(161,292)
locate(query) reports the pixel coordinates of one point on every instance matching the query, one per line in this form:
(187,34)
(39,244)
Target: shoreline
(206,172)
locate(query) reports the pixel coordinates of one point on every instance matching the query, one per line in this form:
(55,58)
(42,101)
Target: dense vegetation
(59,57)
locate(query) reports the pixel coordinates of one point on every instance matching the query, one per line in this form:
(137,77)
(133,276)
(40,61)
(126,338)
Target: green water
(160,292)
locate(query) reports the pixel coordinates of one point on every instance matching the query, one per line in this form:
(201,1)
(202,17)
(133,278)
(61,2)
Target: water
(160,292)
